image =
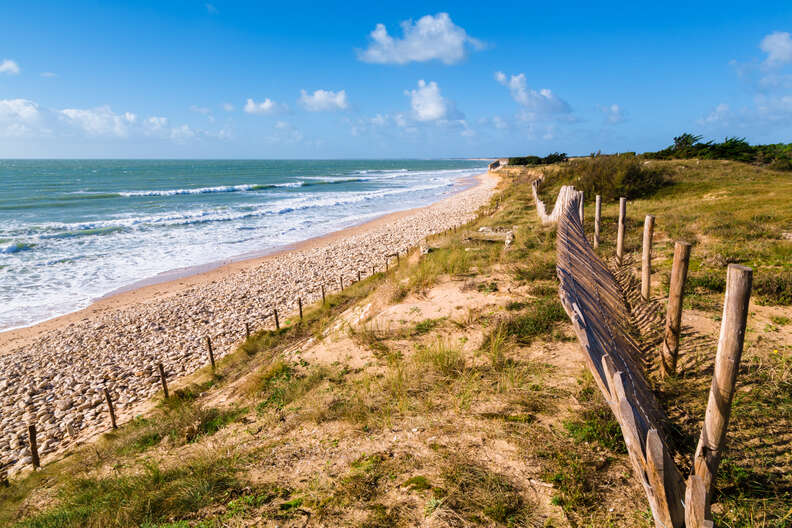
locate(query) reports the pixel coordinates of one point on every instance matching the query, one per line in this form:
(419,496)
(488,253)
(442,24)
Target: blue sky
(301,80)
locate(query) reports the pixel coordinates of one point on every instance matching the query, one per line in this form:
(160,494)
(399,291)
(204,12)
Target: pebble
(60,377)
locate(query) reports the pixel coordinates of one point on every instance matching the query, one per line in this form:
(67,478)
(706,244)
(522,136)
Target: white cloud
(427,103)
(228,107)
(322,100)
(100,121)
(534,102)
(19,117)
(719,115)
(613,113)
(267,106)
(431,38)
(182,134)
(48,75)
(778,46)
(10,67)
(155,123)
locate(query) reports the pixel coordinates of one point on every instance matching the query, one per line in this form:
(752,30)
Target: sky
(223,79)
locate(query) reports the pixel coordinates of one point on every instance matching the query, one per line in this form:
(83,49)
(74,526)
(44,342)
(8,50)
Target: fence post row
(597,215)
(646,257)
(727,362)
(674,502)
(673,325)
(620,233)
(110,408)
(34,454)
(211,351)
(163,379)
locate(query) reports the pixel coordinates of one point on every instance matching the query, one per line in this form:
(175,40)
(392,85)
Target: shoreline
(173,280)
(54,373)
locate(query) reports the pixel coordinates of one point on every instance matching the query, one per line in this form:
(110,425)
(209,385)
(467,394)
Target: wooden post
(211,352)
(247,330)
(696,503)
(597,216)
(673,324)
(163,379)
(341,281)
(646,258)
(727,363)
(110,408)
(34,455)
(620,233)
(277,321)
(386,264)
(358,275)
(373,272)
(299,303)
(323,294)
(580,208)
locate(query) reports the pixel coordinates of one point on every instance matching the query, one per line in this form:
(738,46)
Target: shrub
(609,176)
(555,157)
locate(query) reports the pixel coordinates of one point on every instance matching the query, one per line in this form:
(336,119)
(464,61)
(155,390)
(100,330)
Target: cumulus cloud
(430,38)
(614,114)
(155,123)
(427,103)
(267,106)
(99,121)
(322,100)
(541,102)
(10,67)
(19,117)
(778,46)
(182,134)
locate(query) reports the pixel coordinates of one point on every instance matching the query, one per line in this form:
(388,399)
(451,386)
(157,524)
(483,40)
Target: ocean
(72,231)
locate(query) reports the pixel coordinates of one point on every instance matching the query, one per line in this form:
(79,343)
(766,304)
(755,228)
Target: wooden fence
(599,312)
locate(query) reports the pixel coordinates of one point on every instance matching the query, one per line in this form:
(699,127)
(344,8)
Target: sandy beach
(53,373)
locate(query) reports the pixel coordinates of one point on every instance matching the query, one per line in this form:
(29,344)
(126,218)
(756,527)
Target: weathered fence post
(646,257)
(580,208)
(247,330)
(597,216)
(673,325)
(727,363)
(341,281)
(323,294)
(211,352)
(373,272)
(277,321)
(163,380)
(34,455)
(620,233)
(358,275)
(299,303)
(110,408)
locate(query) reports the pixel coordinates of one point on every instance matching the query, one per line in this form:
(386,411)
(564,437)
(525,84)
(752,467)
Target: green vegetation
(688,146)
(610,176)
(555,157)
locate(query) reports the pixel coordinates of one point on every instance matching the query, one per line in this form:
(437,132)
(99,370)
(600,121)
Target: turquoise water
(74,230)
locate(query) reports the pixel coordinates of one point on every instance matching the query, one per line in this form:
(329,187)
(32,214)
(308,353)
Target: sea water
(74,230)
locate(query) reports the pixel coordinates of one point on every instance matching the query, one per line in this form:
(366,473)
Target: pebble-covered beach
(57,381)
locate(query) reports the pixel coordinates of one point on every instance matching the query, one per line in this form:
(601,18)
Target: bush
(611,176)
(555,157)
(687,146)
